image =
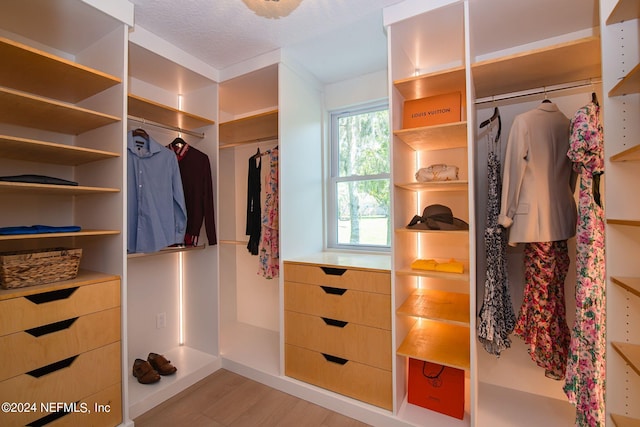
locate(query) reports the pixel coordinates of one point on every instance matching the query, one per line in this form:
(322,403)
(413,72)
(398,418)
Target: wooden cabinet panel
(32,349)
(87,374)
(363,344)
(35,310)
(105,407)
(356,380)
(347,278)
(364,308)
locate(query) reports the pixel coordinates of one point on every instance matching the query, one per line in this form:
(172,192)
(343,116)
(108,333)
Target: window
(359,193)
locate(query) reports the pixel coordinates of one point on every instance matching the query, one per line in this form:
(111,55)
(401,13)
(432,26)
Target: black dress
(253,204)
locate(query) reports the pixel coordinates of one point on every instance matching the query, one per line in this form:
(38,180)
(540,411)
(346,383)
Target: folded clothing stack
(38,229)
(452,266)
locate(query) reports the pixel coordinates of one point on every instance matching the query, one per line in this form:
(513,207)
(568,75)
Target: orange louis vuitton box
(436,387)
(433,110)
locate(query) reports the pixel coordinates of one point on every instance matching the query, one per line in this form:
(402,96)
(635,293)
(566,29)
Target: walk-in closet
(254,287)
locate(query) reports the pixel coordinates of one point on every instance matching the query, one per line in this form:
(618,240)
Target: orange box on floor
(433,110)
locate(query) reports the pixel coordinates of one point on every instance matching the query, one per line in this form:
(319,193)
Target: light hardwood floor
(230,400)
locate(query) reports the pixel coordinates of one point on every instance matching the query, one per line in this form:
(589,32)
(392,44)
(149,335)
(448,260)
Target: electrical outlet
(161,320)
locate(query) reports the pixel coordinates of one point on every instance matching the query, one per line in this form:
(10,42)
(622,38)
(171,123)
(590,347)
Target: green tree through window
(360,178)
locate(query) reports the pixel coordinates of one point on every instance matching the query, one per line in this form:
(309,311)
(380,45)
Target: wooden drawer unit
(343,339)
(61,343)
(364,308)
(27,308)
(332,276)
(338,330)
(353,379)
(33,348)
(68,380)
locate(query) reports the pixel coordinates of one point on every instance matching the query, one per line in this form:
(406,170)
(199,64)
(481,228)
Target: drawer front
(105,407)
(18,314)
(31,349)
(362,382)
(363,344)
(347,278)
(87,374)
(363,308)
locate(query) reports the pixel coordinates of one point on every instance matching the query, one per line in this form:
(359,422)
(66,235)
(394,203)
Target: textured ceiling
(320,33)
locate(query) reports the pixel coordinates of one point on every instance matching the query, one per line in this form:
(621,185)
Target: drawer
(31,349)
(44,308)
(98,403)
(347,278)
(362,382)
(66,381)
(363,308)
(363,344)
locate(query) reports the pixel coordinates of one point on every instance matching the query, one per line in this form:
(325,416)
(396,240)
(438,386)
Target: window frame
(334,179)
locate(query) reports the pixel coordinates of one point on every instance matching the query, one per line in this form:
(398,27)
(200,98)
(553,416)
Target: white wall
(366,88)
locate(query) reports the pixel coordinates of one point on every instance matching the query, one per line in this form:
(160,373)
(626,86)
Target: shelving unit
(249,303)
(61,109)
(433,310)
(175,101)
(621,80)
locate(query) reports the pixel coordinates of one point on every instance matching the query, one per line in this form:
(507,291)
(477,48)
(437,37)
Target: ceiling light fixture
(273,9)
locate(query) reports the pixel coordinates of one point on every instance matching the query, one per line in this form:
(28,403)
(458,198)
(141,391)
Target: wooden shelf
(169,250)
(631,284)
(82,233)
(234,242)
(435,186)
(624,10)
(435,274)
(629,154)
(31,150)
(437,305)
(41,73)
(155,112)
(562,63)
(23,109)
(438,137)
(260,127)
(440,82)
(414,230)
(629,83)
(438,342)
(623,421)
(84,277)
(630,353)
(53,190)
(629,222)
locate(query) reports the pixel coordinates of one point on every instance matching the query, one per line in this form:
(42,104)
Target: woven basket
(35,267)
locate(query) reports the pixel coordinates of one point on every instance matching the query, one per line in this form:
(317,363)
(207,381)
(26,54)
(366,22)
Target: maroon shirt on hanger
(195,170)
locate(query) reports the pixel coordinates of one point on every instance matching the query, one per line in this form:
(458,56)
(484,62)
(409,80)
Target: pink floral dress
(269,252)
(585,377)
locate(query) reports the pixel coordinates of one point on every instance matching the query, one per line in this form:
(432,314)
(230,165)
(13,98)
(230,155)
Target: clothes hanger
(546,100)
(496,115)
(142,133)
(178,142)
(594,99)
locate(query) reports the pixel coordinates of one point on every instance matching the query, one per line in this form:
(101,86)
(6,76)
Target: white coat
(537,202)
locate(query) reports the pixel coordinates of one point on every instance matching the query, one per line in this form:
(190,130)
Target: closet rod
(163,126)
(539,91)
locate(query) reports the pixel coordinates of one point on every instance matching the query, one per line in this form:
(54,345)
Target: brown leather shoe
(144,372)
(161,364)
